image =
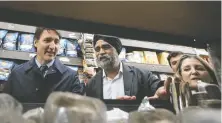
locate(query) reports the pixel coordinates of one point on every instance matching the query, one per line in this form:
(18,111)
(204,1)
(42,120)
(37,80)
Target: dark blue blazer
(27,85)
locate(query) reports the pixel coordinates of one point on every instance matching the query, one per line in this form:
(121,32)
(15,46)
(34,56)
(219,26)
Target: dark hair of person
(173,54)
(39,31)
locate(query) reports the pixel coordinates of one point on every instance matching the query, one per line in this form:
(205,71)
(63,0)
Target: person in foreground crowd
(7,102)
(10,116)
(34,80)
(11,110)
(66,107)
(35,115)
(117,80)
(199,115)
(173,59)
(152,116)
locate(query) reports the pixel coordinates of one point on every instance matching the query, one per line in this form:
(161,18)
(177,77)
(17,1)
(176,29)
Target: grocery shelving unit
(31,29)
(19,55)
(157,46)
(157,25)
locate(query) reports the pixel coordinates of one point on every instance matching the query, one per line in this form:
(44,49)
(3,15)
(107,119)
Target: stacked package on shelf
(72,46)
(25,42)
(135,56)
(63,47)
(5,70)
(10,40)
(139,56)
(89,53)
(2,35)
(162,57)
(150,57)
(89,63)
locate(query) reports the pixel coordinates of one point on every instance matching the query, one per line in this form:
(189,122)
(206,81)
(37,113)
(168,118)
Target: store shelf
(31,29)
(157,46)
(125,42)
(202,52)
(27,56)
(152,67)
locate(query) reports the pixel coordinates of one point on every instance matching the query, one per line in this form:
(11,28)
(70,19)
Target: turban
(114,41)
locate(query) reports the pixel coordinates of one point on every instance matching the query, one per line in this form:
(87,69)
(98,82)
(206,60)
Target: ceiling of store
(195,19)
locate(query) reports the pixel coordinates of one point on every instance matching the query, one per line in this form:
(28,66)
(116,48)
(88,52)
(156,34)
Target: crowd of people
(44,79)
(67,107)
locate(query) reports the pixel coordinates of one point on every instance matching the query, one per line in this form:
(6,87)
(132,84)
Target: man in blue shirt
(34,80)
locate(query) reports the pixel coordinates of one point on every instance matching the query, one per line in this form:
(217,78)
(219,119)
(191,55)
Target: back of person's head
(10,116)
(69,108)
(7,102)
(34,115)
(152,116)
(199,115)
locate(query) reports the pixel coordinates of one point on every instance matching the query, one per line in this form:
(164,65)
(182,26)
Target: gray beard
(111,63)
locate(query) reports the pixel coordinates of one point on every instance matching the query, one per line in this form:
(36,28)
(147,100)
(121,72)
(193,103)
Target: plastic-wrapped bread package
(2,35)
(72,46)
(62,49)
(5,69)
(150,57)
(9,42)
(138,57)
(25,43)
(162,57)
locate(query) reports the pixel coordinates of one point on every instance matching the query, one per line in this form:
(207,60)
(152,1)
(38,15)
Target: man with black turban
(118,80)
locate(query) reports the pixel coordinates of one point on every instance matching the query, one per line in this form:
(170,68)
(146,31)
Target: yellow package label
(162,57)
(150,57)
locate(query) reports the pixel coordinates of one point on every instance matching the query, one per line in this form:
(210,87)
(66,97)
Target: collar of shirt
(49,64)
(120,70)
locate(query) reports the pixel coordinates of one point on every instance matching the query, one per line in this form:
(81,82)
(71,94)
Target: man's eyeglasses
(104,47)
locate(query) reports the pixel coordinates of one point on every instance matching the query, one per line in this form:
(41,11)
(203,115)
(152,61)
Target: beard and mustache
(108,62)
